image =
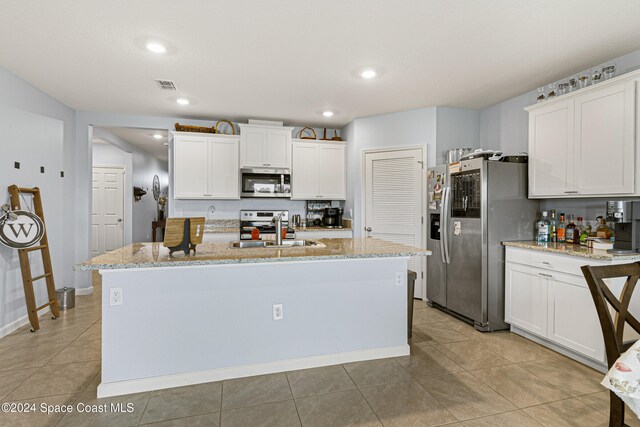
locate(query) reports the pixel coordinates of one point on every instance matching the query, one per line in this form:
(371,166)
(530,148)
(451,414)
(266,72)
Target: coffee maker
(626,219)
(332,217)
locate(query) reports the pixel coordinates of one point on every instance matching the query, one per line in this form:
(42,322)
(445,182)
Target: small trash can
(66,298)
(411,284)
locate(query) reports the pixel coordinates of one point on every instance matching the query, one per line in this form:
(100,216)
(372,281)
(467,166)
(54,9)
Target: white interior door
(394,201)
(107,213)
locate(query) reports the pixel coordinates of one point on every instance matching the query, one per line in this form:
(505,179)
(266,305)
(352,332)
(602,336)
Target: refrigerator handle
(444,235)
(442,224)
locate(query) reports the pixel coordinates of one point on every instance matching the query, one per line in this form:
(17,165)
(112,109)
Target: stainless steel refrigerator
(472,207)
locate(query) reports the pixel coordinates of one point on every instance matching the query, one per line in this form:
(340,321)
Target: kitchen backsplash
(589,209)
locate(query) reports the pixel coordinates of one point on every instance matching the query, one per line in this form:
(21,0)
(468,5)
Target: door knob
(367,229)
(119,219)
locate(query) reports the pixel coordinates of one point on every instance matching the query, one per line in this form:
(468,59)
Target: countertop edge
(189,263)
(601,255)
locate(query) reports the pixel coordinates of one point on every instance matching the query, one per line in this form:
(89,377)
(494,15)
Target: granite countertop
(145,255)
(574,250)
(233,226)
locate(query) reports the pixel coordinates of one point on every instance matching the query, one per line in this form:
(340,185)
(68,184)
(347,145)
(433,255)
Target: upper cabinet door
(278,148)
(551,150)
(604,140)
(332,182)
(224,176)
(304,174)
(253,146)
(190,167)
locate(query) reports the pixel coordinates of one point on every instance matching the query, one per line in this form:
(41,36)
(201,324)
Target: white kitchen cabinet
(526,298)
(265,146)
(205,167)
(583,144)
(604,140)
(551,150)
(573,320)
(318,171)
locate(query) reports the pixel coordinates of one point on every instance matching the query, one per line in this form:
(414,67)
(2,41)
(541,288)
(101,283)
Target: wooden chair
(613,329)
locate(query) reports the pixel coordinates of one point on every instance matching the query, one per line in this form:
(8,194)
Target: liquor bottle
(571,228)
(560,229)
(577,234)
(603,231)
(552,226)
(543,228)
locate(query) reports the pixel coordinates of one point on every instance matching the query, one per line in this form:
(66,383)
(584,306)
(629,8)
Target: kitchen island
(172,321)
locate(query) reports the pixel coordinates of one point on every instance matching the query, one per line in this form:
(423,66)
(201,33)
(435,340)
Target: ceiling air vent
(167,85)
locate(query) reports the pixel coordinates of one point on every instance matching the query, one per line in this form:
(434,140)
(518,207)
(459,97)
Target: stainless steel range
(264,223)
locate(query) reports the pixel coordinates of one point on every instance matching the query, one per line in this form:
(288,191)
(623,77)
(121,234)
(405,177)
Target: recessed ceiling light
(156,47)
(157,136)
(327,113)
(368,74)
(182,101)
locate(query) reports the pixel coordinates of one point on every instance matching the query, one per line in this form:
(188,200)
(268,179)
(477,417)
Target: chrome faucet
(278,221)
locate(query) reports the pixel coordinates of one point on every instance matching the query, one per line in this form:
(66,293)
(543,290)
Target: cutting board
(174,231)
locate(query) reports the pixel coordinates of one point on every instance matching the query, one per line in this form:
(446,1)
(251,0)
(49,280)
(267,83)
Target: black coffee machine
(332,217)
(626,216)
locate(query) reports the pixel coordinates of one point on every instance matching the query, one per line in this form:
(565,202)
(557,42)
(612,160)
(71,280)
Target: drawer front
(561,263)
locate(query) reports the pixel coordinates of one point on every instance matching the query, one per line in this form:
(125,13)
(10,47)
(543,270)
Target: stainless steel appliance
(332,218)
(473,207)
(626,219)
(266,182)
(264,222)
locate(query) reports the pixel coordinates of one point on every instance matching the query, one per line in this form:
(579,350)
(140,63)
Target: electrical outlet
(400,279)
(115,296)
(277,312)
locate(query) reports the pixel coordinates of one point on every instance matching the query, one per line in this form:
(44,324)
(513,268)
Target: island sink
(272,244)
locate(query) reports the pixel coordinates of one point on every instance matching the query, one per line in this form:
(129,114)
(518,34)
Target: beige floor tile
(32,356)
(427,361)
(508,419)
(418,304)
(566,374)
(429,315)
(308,382)
(570,412)
(472,355)
(79,351)
(95,382)
(93,333)
(418,337)
(374,372)
(57,379)
(38,418)
(519,386)
(440,333)
(343,408)
(600,402)
(515,348)
(406,404)
(133,406)
(255,390)
(12,378)
(465,328)
(278,414)
(207,420)
(465,396)
(180,402)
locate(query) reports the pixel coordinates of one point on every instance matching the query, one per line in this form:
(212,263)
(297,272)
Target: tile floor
(454,376)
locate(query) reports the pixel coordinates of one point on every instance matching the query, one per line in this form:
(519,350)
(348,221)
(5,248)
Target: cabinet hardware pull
(546,275)
(545,262)
(571,192)
(266,164)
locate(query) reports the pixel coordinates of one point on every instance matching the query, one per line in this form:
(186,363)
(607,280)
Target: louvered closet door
(393,201)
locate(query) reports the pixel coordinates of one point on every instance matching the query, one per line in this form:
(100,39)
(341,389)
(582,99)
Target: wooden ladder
(25,265)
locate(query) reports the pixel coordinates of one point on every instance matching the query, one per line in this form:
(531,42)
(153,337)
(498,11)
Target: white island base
(186,325)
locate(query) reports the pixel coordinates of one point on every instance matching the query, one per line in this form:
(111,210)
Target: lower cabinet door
(526,298)
(573,321)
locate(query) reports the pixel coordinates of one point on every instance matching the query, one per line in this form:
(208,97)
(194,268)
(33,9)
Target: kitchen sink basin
(272,244)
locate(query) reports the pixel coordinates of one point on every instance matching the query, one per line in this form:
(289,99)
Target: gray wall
(455,128)
(37,131)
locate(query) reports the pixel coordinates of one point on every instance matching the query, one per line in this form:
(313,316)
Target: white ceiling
(143,140)
(292,59)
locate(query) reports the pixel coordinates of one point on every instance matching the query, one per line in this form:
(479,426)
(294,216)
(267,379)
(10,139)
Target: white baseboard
(189,378)
(84,291)
(18,323)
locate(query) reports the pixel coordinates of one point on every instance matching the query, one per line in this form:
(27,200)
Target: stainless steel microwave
(266,182)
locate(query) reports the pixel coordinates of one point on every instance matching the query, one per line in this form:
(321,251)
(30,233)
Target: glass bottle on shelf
(552,226)
(603,231)
(571,228)
(560,229)
(543,228)
(578,231)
